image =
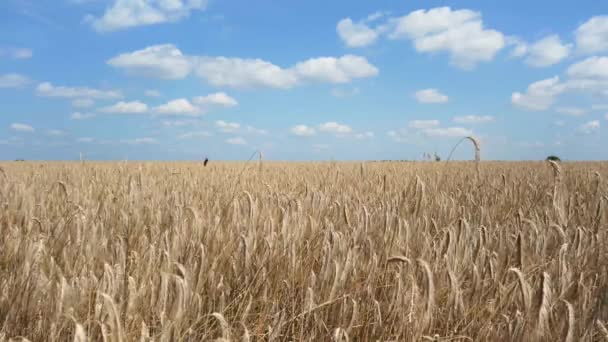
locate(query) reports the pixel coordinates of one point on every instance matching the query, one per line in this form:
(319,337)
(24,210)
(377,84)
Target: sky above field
(302,80)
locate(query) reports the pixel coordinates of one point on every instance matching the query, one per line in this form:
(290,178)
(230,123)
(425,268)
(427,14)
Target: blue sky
(308,80)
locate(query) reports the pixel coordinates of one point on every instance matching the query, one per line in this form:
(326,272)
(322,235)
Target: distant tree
(553,158)
(437,157)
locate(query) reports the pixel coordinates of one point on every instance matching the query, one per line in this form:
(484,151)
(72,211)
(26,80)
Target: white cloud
(302,131)
(217,99)
(227,127)
(240,73)
(81,116)
(178,107)
(82,103)
(422,124)
(335,70)
(365,135)
(589,76)
(572,111)
(16,53)
(13,81)
(85,140)
(168,62)
(589,127)
(520,47)
(560,123)
(20,127)
(257,131)
(197,134)
(592,67)
(335,128)
(48,89)
(158,61)
(124,14)
(55,133)
(461,33)
(355,34)
(236,141)
(473,119)
(606,116)
(540,95)
(139,141)
(592,36)
(451,132)
(152,93)
(547,51)
(430,96)
(375,16)
(133,107)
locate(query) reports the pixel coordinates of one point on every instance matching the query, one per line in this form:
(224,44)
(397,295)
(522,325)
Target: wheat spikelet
(477,146)
(523,287)
(602,329)
(571,322)
(224,326)
(430,290)
(544,309)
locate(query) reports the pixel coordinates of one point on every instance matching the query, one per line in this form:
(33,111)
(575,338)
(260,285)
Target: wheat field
(273,251)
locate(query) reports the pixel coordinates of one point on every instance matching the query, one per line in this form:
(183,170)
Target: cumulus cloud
(163,61)
(335,128)
(355,34)
(133,107)
(592,67)
(450,132)
(13,81)
(21,127)
(49,90)
(540,95)
(178,107)
(55,133)
(473,119)
(85,140)
(460,33)
(589,76)
(227,127)
(422,124)
(81,116)
(335,70)
(302,131)
(123,14)
(236,141)
(589,127)
(547,51)
(592,36)
(216,99)
(167,62)
(83,103)
(430,96)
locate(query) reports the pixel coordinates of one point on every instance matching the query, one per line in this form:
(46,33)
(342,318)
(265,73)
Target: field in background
(304,251)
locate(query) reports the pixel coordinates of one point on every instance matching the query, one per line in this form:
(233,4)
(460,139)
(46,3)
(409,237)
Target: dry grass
(304,252)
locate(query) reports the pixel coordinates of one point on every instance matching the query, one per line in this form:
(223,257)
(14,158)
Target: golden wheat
(303,251)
